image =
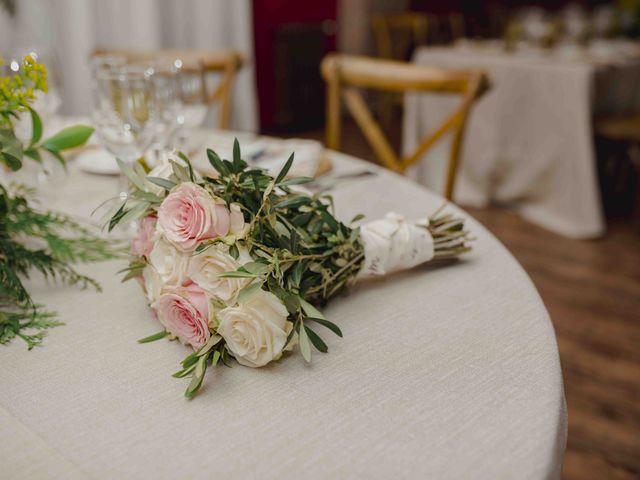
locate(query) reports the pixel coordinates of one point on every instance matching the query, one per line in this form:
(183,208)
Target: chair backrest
(344,74)
(397,33)
(226,63)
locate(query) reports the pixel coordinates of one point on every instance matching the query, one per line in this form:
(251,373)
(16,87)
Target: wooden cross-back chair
(396,36)
(397,33)
(344,74)
(226,63)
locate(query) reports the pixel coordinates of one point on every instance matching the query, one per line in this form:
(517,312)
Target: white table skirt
(529,141)
(442,373)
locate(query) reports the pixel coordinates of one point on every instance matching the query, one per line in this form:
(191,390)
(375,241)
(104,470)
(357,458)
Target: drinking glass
(193,97)
(170,109)
(125,112)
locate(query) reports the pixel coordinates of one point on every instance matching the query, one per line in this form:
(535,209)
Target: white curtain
(72,29)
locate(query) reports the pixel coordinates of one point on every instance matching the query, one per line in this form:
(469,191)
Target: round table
(443,372)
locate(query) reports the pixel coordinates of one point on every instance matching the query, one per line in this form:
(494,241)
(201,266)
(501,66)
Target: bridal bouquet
(237,265)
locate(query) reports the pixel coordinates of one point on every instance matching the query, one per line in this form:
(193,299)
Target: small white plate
(98,161)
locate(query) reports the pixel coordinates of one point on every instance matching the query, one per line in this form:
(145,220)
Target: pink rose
(142,244)
(190,215)
(184,312)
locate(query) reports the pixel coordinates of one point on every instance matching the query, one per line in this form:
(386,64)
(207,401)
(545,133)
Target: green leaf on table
(67,138)
(199,371)
(357,218)
(36,127)
(305,345)
(162,182)
(154,337)
(212,342)
(224,357)
(130,173)
(184,372)
(285,170)
(10,149)
(310,310)
(316,340)
(197,377)
(326,323)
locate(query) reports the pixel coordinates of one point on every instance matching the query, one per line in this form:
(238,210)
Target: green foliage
(45,242)
(17,93)
(16,320)
(32,240)
(305,252)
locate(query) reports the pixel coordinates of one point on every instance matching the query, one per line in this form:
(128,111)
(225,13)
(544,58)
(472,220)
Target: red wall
(267,15)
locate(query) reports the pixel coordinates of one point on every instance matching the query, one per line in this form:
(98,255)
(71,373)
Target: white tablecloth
(529,141)
(442,373)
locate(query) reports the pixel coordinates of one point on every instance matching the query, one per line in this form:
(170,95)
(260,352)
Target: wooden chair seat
(619,127)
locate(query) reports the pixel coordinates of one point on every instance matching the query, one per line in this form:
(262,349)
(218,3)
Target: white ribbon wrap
(392,244)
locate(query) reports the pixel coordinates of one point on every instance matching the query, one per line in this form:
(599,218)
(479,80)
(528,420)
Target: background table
(442,373)
(529,141)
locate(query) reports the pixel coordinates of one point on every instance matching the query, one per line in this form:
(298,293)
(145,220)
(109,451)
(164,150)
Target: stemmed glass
(170,109)
(125,112)
(193,97)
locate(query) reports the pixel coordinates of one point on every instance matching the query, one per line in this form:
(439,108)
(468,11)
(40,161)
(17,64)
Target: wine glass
(170,109)
(125,112)
(193,97)
(535,27)
(575,23)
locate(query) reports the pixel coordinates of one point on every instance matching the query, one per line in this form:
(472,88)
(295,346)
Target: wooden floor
(592,292)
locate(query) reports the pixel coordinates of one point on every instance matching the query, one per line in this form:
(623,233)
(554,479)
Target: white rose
(164,170)
(152,283)
(206,266)
(169,263)
(256,330)
(238,228)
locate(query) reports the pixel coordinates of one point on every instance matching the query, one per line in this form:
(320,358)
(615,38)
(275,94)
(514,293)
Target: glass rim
(125,72)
